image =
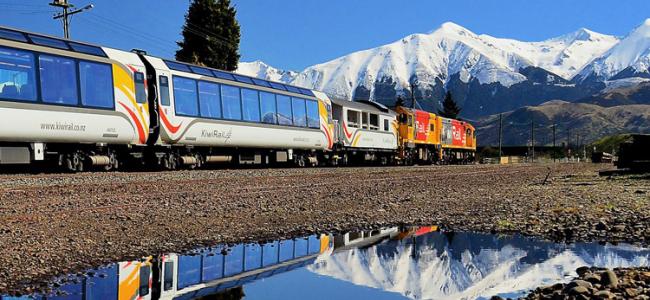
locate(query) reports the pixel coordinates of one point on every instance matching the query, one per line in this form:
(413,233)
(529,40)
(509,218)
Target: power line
(19,4)
(111,28)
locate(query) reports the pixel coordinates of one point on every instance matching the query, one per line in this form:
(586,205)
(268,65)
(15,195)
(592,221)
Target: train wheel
(113,164)
(199,161)
(300,161)
(74,162)
(169,162)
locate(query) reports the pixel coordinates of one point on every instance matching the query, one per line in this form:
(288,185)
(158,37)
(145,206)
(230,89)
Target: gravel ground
(60,223)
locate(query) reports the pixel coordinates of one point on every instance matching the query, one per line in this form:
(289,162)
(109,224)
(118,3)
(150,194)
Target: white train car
(208,115)
(70,102)
(366,130)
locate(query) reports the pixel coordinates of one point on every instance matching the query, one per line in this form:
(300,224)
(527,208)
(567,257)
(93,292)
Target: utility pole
(532,138)
(578,145)
(412,95)
(553,142)
(500,135)
(66,14)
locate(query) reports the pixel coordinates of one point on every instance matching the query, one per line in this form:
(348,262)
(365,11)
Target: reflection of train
(195,275)
(80,105)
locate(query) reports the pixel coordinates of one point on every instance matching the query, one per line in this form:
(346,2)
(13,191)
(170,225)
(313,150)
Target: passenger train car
(80,106)
(194,275)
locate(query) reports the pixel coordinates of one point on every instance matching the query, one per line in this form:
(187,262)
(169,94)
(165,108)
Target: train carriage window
(58,80)
(209,100)
(50,42)
(353,118)
(267,104)
(140,89)
(12,35)
(250,105)
(374,122)
(201,71)
(185,96)
(164,90)
(306,92)
(168,277)
(177,66)
(299,112)
(364,120)
(261,82)
(431,127)
(386,125)
(293,89)
(313,117)
(285,117)
(145,272)
(223,75)
(96,82)
(278,86)
(92,50)
(243,79)
(17,75)
(231,101)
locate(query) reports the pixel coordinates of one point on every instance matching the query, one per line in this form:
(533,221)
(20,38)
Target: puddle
(395,263)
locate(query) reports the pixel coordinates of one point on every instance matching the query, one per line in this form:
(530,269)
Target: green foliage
(210,35)
(399,101)
(449,107)
(610,143)
(505,225)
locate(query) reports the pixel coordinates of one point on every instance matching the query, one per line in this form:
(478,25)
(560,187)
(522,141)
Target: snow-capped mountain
(628,58)
(565,55)
(470,266)
(485,74)
(260,69)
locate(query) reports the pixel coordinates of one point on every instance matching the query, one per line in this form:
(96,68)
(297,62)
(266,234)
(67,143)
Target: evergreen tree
(399,101)
(449,107)
(210,35)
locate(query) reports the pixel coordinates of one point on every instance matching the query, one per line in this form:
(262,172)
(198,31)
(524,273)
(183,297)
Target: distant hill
(622,92)
(590,121)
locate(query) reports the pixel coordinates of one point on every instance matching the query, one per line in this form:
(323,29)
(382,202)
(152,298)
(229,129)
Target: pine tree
(449,107)
(210,35)
(399,101)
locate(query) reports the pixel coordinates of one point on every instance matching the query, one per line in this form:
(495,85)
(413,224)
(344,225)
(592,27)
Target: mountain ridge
(485,74)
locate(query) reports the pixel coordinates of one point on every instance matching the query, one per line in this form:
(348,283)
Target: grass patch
(505,225)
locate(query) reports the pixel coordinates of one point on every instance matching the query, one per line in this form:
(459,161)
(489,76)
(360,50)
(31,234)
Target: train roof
(365,105)
(221,74)
(50,41)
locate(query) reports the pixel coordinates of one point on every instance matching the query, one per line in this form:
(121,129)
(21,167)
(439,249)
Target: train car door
(168,276)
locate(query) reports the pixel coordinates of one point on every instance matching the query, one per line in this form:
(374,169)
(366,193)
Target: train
(196,274)
(80,106)
(205,272)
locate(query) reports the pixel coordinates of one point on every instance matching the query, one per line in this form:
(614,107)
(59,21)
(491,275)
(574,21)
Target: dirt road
(58,223)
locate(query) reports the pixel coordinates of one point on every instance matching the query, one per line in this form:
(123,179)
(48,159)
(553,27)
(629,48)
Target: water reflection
(416,262)
(447,265)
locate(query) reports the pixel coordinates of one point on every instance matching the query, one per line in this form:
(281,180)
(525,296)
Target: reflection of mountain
(467,266)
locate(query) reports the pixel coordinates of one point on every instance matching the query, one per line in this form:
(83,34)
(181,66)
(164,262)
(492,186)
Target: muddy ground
(59,223)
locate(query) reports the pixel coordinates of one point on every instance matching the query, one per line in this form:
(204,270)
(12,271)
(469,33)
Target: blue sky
(294,34)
